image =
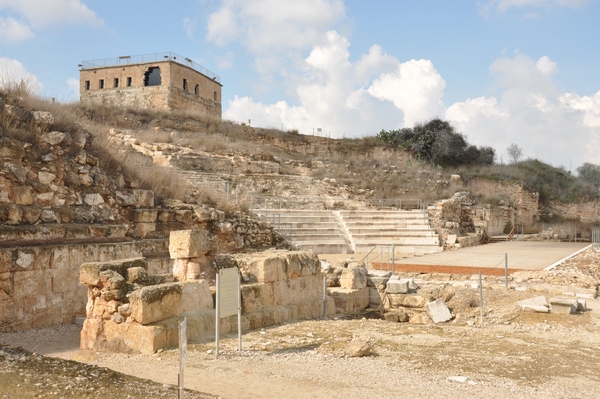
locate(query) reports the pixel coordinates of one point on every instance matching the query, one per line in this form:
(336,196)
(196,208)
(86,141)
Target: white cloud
(549,125)
(73,85)
(276,33)
(589,106)
(415,87)
(34,15)
(264,25)
(189,26)
(12,72)
(13,31)
(350,99)
(489,6)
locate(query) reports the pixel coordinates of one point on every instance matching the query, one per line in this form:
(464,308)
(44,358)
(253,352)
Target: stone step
(402,249)
(416,230)
(391,236)
(321,248)
(326,238)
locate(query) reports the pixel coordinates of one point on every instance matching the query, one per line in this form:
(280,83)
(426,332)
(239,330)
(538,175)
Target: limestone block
(563,305)
(409,300)
(63,280)
(265,270)
(581,305)
(156,303)
(125,199)
(358,347)
(141,215)
(89,273)
(353,278)
(349,300)
(191,269)
(257,296)
(420,318)
(141,230)
(53,138)
(189,243)
(137,275)
(375,298)
(301,264)
(296,290)
(196,296)
(397,287)
(536,304)
(93,199)
(22,195)
(438,311)
(375,278)
(46,177)
(535,309)
(144,198)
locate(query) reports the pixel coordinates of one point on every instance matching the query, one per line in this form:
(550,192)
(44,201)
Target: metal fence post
(393,258)
(481,298)
(324,297)
(506,270)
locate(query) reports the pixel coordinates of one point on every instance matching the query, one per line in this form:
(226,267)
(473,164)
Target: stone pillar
(188,248)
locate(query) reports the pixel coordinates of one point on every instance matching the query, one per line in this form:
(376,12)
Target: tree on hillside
(437,142)
(590,173)
(514,153)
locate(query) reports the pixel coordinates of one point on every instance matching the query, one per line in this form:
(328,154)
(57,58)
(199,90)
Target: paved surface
(522,255)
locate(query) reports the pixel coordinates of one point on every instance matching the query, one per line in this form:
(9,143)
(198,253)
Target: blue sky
(501,71)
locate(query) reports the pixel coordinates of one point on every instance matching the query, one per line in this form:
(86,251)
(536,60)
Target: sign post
(182,354)
(229,301)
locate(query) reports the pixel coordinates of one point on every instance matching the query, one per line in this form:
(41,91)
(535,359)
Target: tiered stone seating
(343,232)
(316,230)
(409,231)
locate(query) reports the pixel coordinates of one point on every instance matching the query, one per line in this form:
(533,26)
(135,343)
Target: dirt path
(535,356)
(515,355)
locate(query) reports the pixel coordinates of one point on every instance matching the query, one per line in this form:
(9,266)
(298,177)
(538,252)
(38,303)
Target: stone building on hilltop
(164,81)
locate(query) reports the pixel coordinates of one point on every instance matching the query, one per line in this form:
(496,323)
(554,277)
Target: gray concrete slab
(525,255)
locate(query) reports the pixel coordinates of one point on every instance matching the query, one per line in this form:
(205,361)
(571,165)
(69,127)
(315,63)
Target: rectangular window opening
(101,83)
(152,77)
(116,82)
(87,84)
(215,95)
(185,85)
(197,90)
(129,81)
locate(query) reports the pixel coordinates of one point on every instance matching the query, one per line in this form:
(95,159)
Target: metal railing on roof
(154,57)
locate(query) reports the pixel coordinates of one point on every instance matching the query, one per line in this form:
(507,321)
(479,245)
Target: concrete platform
(522,255)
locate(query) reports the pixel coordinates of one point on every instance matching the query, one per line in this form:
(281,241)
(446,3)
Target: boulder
(397,287)
(563,305)
(353,278)
(358,347)
(438,311)
(537,304)
(189,243)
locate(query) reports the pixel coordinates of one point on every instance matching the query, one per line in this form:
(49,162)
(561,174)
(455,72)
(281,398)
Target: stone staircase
(349,232)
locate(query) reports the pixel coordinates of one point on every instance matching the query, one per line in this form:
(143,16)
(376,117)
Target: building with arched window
(151,81)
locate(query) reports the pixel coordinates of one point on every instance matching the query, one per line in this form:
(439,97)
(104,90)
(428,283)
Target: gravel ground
(516,355)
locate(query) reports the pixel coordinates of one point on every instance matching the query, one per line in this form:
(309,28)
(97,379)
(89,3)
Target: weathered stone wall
(130,310)
(39,285)
(586,212)
(493,220)
(452,217)
(525,202)
(170,95)
(222,164)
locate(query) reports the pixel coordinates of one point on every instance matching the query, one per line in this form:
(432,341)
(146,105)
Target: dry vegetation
(364,165)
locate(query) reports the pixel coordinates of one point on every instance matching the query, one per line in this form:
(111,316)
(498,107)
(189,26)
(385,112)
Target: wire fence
(596,240)
(152,57)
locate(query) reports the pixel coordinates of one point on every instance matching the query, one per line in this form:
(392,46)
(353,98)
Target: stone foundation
(129,310)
